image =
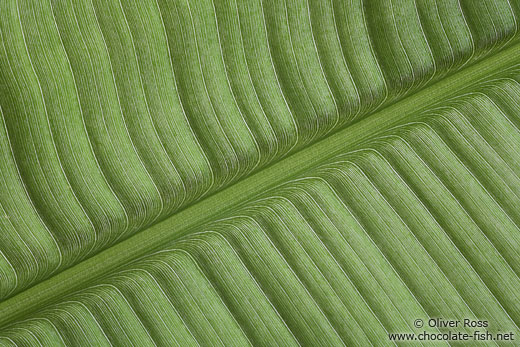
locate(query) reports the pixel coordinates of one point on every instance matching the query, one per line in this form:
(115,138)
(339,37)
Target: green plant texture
(260,172)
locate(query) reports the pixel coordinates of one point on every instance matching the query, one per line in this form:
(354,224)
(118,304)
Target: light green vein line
(181,223)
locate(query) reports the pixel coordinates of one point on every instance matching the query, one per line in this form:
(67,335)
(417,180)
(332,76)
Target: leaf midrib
(184,221)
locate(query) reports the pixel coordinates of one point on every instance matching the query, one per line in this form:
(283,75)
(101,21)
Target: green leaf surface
(293,172)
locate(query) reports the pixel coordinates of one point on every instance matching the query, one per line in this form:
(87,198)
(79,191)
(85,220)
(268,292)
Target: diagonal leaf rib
(184,221)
